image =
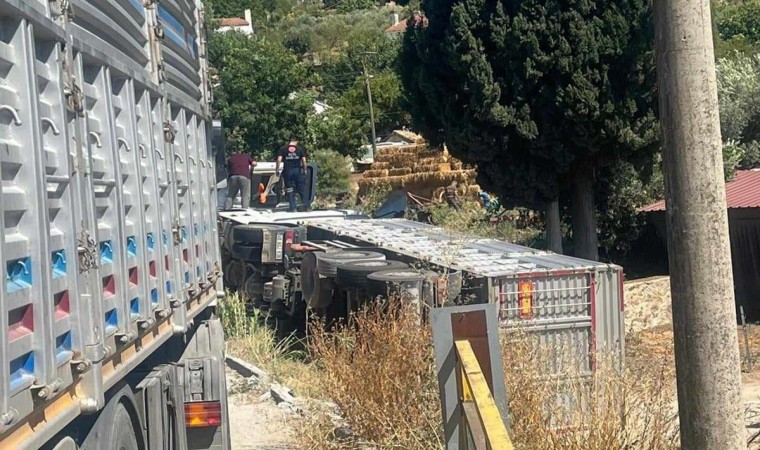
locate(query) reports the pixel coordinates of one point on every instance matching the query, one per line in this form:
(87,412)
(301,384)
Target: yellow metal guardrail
(482,424)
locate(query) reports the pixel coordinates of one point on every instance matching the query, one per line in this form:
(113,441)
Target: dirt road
(256,423)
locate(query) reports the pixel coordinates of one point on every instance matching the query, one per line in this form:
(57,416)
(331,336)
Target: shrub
(333,173)
(380,373)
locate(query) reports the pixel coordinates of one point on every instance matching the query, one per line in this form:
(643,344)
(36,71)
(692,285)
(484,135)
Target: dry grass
(470,220)
(381,375)
(285,362)
(611,409)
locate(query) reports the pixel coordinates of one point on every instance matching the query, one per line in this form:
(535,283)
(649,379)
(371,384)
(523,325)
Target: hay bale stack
(432,153)
(456,164)
(425,168)
(380,173)
(401,150)
(380,165)
(422,184)
(473,190)
(400,160)
(409,136)
(399,171)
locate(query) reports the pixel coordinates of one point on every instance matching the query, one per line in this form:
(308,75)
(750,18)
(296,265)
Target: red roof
(232,22)
(742,192)
(401,26)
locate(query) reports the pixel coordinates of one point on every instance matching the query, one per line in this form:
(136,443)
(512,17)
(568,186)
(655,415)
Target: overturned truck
(331,262)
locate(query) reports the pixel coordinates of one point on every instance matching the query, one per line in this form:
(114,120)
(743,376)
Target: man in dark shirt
(293,157)
(239,167)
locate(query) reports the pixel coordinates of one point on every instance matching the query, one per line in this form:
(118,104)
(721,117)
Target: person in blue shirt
(293,158)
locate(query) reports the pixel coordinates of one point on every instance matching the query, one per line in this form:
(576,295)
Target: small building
(743,201)
(242,24)
(399,26)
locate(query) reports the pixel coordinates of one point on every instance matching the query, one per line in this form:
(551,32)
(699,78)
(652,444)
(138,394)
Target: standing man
(451,195)
(239,167)
(293,157)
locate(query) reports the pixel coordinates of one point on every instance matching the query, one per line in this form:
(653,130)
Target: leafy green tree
(737,26)
(541,95)
(350,5)
(263,11)
(739,99)
(335,131)
(334,174)
(386,99)
(256,80)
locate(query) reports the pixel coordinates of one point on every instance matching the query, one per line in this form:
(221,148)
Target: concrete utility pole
(369,98)
(704,319)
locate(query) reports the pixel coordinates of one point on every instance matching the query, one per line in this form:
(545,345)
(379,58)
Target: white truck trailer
(108,243)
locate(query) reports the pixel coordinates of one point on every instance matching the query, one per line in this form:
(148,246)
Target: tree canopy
(540,94)
(253,97)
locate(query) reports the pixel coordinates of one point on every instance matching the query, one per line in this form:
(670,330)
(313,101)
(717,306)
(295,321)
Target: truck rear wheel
(123,436)
(327,263)
(353,275)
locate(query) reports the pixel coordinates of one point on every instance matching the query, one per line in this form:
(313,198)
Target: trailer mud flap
(201,373)
(162,408)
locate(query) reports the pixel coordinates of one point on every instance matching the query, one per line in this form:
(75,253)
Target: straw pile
(380,165)
(399,171)
(418,169)
(377,173)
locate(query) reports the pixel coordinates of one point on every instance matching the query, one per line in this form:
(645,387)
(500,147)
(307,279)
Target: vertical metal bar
(745,331)
(118,246)
(31,179)
(90,301)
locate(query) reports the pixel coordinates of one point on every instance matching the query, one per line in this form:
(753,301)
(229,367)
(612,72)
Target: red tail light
(203,414)
(290,236)
(525,298)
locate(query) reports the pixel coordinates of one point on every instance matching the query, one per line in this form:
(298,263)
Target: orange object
(262,193)
(525,298)
(203,414)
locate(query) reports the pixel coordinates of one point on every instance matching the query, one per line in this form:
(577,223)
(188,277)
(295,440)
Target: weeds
(249,338)
(381,375)
(369,201)
(471,219)
(578,410)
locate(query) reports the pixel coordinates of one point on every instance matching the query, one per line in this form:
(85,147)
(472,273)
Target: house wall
(744,230)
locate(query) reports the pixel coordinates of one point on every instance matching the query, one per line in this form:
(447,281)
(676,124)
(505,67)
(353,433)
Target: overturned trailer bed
(568,303)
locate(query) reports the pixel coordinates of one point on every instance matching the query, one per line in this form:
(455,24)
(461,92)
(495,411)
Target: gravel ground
(257,424)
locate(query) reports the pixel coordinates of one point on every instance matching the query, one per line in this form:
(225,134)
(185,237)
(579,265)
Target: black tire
(247,253)
(327,263)
(353,274)
(385,283)
(311,283)
(123,436)
(233,274)
(248,234)
(253,234)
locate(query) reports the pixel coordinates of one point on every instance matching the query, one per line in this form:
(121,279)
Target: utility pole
(704,321)
(369,98)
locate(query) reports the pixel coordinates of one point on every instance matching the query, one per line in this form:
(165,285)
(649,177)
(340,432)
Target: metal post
(704,319)
(369,99)
(745,330)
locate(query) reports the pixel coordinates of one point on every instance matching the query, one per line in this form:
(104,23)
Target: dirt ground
(649,344)
(255,423)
